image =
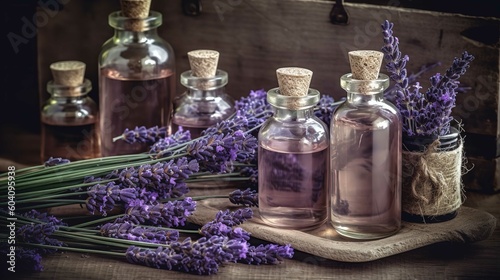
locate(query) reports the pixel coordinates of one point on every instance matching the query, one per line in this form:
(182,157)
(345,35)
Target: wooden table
(480,260)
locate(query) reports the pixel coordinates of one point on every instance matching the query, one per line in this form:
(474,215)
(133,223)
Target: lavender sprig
(142,134)
(103,198)
(203,256)
(129,231)
(165,145)
(55,161)
(268,254)
(169,214)
(429,113)
(246,197)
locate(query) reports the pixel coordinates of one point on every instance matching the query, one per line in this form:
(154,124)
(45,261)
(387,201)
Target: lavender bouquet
(424,113)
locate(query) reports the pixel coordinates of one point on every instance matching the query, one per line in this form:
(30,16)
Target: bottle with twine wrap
(136,77)
(432,170)
(69,117)
(205,101)
(293,153)
(365,154)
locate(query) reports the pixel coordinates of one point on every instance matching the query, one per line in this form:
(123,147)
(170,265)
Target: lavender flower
(202,256)
(161,147)
(104,197)
(268,254)
(129,231)
(165,180)
(56,161)
(217,153)
(429,113)
(169,214)
(228,126)
(142,134)
(233,218)
(247,197)
(39,234)
(27,259)
(43,217)
(252,173)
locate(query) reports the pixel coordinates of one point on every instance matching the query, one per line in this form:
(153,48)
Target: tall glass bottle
(292,162)
(365,161)
(69,117)
(136,78)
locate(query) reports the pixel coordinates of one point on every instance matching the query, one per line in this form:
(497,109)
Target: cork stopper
(294,81)
(203,63)
(365,65)
(68,73)
(136,9)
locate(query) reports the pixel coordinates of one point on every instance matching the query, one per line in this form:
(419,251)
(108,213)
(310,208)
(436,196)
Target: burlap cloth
(431,184)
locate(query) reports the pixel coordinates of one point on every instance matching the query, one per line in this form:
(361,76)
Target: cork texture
(365,65)
(68,73)
(294,81)
(137,9)
(203,63)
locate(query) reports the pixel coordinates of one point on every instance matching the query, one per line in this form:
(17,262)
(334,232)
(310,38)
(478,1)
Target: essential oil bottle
(365,154)
(292,155)
(205,102)
(136,77)
(69,117)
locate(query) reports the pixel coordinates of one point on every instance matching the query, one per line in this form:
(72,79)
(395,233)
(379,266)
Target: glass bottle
(365,161)
(292,163)
(69,123)
(203,104)
(136,81)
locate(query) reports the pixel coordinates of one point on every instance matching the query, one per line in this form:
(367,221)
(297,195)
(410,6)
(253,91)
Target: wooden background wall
(255,37)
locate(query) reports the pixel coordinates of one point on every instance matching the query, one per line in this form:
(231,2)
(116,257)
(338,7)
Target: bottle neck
(135,37)
(357,98)
(364,92)
(290,115)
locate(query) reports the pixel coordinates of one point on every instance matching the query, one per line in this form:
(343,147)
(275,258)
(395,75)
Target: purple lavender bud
(142,134)
(202,256)
(268,254)
(56,161)
(43,217)
(247,197)
(169,214)
(39,234)
(161,145)
(233,218)
(129,231)
(104,197)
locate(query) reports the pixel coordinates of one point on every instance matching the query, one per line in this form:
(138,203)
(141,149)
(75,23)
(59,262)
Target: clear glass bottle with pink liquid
(365,161)
(293,163)
(136,79)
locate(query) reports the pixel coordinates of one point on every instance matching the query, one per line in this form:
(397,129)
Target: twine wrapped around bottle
(432,183)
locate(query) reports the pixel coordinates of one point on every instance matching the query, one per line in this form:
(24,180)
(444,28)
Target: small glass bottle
(365,154)
(205,102)
(136,77)
(292,157)
(69,117)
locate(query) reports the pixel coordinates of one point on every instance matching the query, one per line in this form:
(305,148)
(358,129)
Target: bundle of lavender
(149,190)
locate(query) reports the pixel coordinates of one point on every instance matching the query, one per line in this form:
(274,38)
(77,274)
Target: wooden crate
(258,36)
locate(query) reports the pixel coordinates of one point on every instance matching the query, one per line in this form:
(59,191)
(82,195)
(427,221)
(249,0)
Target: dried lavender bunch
(142,135)
(168,214)
(429,113)
(246,197)
(40,233)
(129,231)
(203,256)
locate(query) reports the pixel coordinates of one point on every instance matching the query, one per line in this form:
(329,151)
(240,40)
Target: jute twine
(432,181)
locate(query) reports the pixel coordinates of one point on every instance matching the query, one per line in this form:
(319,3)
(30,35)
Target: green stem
(50,190)
(45,205)
(45,198)
(80,250)
(98,221)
